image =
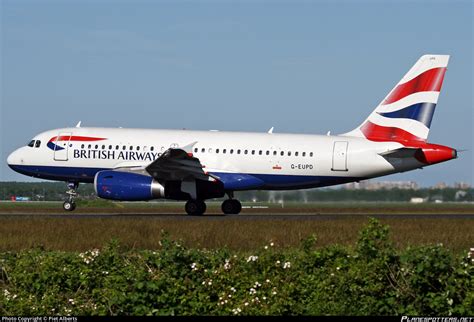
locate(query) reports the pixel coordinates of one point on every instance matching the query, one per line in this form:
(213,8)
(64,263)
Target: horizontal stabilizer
(400,153)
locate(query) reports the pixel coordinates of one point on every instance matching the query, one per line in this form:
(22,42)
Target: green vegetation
(54,191)
(371,277)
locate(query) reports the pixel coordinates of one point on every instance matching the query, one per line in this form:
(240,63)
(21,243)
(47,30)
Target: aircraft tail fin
(405,114)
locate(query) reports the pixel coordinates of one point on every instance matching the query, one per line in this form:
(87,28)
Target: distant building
(381,185)
(462,185)
(440,185)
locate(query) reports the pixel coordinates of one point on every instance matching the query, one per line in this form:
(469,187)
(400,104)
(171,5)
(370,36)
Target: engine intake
(127,186)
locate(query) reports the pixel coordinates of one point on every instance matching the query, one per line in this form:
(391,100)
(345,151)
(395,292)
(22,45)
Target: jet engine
(127,186)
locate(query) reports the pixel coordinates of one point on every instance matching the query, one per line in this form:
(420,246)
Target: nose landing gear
(70,204)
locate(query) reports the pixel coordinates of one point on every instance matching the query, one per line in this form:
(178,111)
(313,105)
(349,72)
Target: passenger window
(82,146)
(110,147)
(224,151)
(296,154)
(31,144)
(203,150)
(245,152)
(152,148)
(117,147)
(38,143)
(253,152)
(231,151)
(217,150)
(282,153)
(103,147)
(89,146)
(289,153)
(195,150)
(124,147)
(311,154)
(268,152)
(138,148)
(260,152)
(131,147)
(274,152)
(238,151)
(96,146)
(304,154)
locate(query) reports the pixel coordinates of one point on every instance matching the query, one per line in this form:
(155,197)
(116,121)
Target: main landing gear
(196,207)
(231,207)
(70,204)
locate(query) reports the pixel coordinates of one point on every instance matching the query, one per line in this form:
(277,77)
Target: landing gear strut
(231,206)
(195,207)
(70,204)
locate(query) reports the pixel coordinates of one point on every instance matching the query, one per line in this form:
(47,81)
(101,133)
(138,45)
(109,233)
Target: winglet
(78,124)
(270,131)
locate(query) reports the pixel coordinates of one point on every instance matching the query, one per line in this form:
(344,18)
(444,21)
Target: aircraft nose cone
(10,158)
(14,159)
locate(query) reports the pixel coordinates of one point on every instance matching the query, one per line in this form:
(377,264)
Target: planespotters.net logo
(437,319)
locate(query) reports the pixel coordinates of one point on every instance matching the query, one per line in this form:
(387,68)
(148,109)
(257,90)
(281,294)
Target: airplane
(193,166)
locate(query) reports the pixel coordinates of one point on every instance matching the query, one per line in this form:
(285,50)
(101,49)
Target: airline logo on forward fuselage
(54,142)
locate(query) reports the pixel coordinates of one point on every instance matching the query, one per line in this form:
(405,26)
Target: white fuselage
(283,161)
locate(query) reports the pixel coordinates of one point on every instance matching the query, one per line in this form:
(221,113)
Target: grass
(79,234)
(76,233)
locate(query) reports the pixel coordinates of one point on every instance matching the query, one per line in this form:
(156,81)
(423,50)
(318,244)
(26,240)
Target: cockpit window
(31,144)
(37,144)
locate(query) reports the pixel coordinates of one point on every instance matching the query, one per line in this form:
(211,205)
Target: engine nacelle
(127,186)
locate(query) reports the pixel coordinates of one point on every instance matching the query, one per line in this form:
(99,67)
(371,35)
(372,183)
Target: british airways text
(116,155)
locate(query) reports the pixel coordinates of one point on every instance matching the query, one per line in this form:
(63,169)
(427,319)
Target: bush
(371,278)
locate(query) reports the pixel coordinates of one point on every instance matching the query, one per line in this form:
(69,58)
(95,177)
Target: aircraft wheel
(195,207)
(69,205)
(231,207)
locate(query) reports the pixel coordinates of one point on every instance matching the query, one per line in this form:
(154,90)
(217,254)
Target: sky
(299,66)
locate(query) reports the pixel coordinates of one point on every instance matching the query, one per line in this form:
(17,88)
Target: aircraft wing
(177,164)
(173,164)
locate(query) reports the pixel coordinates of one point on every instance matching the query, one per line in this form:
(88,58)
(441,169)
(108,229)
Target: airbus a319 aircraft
(146,164)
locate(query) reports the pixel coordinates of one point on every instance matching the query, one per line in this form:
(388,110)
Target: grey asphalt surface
(243,216)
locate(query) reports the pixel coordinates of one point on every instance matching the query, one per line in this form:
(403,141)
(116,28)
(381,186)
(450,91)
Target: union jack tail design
(405,114)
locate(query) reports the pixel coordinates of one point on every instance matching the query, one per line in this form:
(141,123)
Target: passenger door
(339,156)
(61,146)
